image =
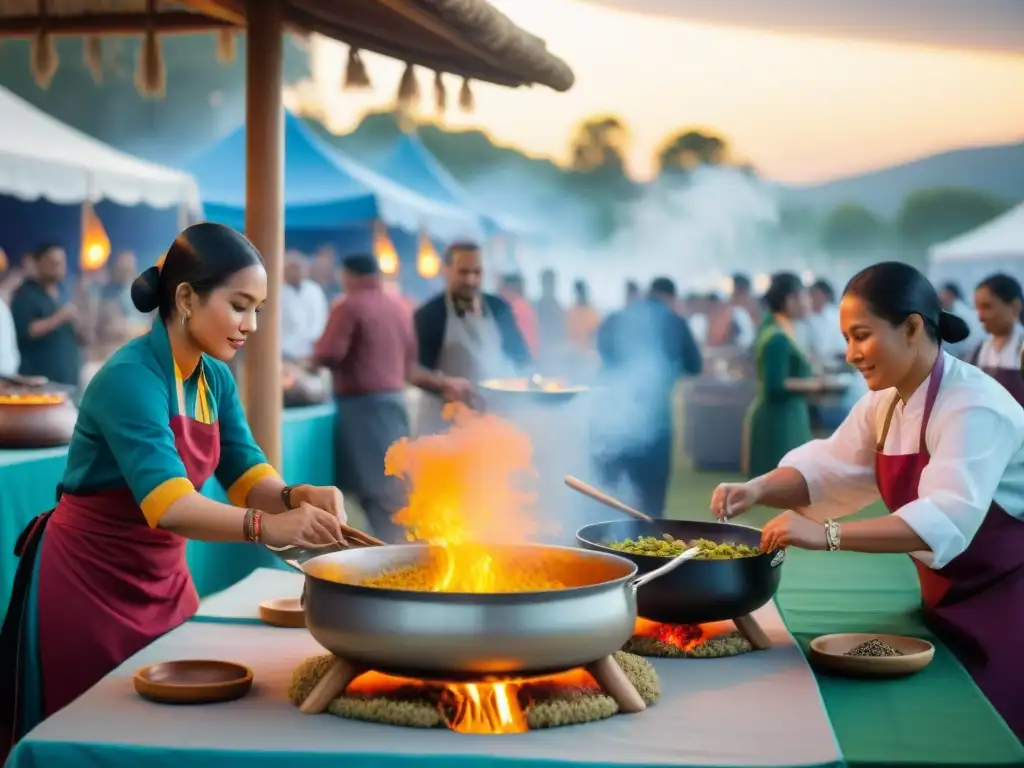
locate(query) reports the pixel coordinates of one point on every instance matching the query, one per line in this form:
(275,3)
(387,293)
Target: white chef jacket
(1007,357)
(975,437)
(10,358)
(304,313)
(745,330)
(824,336)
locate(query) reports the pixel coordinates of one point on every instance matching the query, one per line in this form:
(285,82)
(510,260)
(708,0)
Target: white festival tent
(996,246)
(42,158)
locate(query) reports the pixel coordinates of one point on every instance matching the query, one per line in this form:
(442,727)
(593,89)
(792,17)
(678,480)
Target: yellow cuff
(160,499)
(238,493)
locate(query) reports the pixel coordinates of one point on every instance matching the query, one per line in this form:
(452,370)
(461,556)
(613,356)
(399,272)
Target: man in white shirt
(10,359)
(952,300)
(304,310)
(825,340)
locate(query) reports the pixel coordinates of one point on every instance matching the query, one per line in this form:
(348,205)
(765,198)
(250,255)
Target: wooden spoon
(588,490)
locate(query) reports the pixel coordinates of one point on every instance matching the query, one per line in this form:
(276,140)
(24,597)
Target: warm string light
(95,247)
(428,263)
(384,250)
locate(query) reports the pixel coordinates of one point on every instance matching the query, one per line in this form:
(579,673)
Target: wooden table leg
(750,629)
(330,686)
(615,683)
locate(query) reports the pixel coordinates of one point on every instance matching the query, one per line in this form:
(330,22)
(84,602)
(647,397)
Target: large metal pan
(473,636)
(706,590)
(512,394)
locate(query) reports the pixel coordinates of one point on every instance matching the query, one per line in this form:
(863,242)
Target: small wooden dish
(828,652)
(193,681)
(283,612)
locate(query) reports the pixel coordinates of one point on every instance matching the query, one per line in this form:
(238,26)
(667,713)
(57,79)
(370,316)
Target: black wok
(704,591)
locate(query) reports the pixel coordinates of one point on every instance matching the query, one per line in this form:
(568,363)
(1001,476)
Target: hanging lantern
(428,263)
(95,242)
(384,249)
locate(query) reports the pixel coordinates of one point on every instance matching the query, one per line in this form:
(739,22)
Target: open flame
(467,487)
(481,708)
(685,637)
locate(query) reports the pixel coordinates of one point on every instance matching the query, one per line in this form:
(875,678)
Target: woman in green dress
(779,419)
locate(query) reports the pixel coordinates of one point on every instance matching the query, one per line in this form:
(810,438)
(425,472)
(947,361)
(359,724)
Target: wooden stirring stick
(361,538)
(588,490)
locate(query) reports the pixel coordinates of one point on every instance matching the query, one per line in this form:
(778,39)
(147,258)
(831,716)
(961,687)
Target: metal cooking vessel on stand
(472,635)
(708,590)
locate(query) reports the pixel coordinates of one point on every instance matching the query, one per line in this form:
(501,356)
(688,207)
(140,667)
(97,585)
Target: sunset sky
(802,109)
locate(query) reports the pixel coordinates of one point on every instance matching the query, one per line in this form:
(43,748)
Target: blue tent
(324,190)
(411,164)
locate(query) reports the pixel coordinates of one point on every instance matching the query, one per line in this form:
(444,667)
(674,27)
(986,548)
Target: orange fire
(467,488)
(682,636)
(480,708)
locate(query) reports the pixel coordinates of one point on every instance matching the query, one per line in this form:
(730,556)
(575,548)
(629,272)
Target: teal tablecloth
(29,478)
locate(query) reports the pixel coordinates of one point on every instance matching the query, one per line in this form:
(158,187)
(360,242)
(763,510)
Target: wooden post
(264,214)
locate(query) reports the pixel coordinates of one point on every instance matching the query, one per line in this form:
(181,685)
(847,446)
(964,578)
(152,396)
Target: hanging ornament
(92,55)
(150,76)
(440,95)
(408,89)
(227,46)
(356,77)
(466,101)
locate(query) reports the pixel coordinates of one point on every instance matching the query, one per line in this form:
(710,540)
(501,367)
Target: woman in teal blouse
(104,574)
(779,419)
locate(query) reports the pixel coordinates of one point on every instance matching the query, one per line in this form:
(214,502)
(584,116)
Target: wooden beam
(264,214)
(175,22)
(225,10)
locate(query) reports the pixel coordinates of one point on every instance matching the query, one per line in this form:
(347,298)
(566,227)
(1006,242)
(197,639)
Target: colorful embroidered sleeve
(129,405)
(242,463)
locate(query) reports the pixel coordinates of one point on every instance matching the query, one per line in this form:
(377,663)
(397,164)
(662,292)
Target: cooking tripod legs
(330,686)
(750,629)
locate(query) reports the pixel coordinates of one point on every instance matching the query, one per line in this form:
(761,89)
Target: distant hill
(523,185)
(997,170)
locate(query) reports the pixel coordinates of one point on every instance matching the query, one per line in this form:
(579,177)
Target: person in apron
(465,335)
(942,444)
(103,574)
(999,302)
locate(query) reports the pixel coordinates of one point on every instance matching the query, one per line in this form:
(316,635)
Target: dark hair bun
(952,328)
(146,290)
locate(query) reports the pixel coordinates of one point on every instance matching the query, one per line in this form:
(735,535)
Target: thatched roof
(469,38)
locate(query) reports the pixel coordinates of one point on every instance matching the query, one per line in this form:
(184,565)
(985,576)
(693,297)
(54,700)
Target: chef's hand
(732,499)
(456,390)
(325,497)
(306,527)
(791,529)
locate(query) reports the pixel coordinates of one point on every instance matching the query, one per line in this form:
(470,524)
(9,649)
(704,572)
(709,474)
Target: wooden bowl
(283,612)
(193,681)
(828,652)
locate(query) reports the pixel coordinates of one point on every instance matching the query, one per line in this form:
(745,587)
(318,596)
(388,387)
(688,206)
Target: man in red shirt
(512,290)
(370,347)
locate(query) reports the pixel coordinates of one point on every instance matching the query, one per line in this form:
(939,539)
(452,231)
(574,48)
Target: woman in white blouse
(942,444)
(999,302)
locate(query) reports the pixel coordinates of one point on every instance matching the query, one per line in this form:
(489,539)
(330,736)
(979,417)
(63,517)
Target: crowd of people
(939,439)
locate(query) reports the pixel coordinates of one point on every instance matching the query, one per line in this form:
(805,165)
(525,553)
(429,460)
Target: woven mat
(547,703)
(678,642)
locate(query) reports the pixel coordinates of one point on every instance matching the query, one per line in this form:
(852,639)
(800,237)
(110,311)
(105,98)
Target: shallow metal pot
(705,590)
(462,635)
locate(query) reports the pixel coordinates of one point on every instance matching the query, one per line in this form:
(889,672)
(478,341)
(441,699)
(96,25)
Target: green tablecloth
(937,717)
(29,478)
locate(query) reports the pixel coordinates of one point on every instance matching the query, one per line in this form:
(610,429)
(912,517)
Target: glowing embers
(697,641)
(481,707)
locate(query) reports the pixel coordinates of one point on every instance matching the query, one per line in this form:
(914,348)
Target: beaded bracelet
(252,525)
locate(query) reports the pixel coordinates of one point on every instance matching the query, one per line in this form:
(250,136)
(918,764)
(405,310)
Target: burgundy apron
(975,603)
(108,585)
(1012,379)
